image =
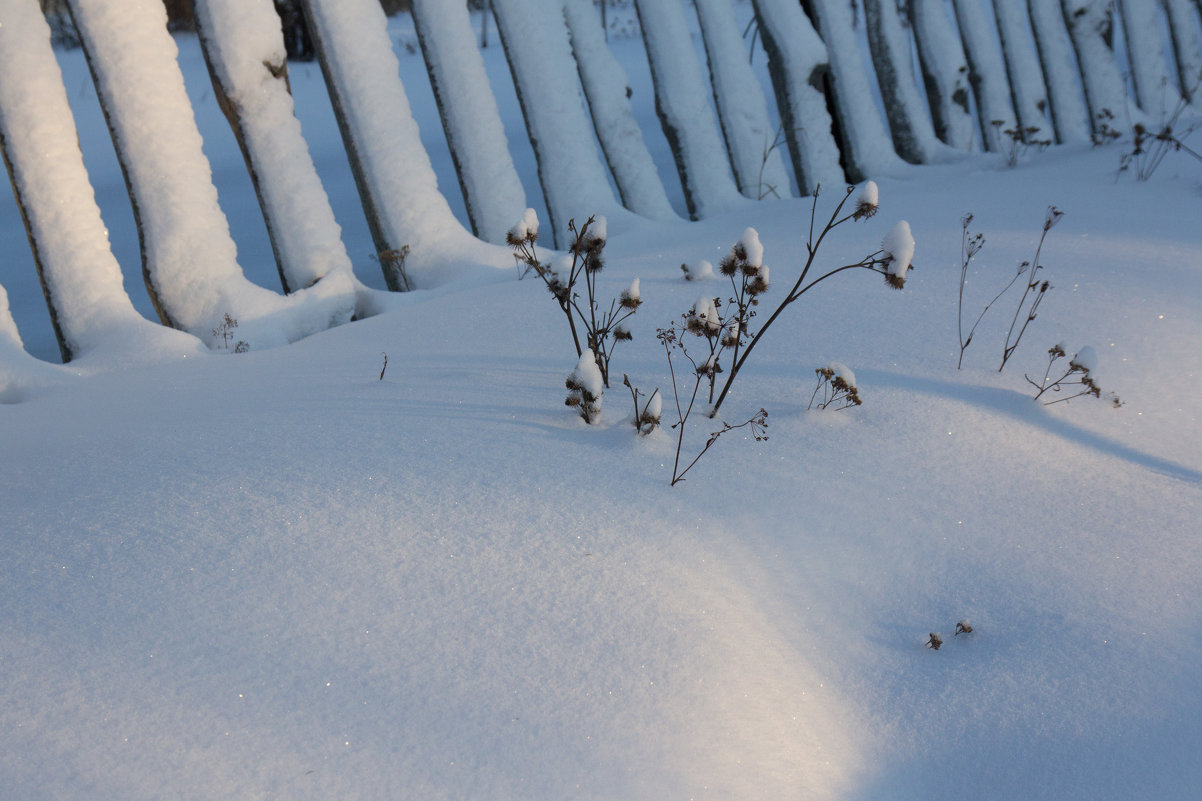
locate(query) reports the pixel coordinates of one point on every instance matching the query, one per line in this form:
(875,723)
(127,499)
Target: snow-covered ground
(277,575)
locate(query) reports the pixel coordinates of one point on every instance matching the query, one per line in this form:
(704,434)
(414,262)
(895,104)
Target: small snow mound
(752,248)
(1086,359)
(899,244)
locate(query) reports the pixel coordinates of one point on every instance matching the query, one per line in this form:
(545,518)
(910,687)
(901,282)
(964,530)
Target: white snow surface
(275,575)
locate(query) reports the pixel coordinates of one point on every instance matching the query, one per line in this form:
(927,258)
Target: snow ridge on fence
(1055,66)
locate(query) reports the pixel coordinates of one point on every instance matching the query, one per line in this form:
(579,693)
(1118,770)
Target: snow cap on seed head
(867,201)
(525,230)
(898,246)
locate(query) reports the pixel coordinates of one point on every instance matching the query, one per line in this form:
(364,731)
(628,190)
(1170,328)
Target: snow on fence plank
(865,142)
(492,190)
(944,72)
(1091,29)
(1147,56)
(81,279)
(1187,46)
(188,256)
(986,74)
(797,59)
(535,38)
(406,212)
(682,103)
(742,108)
(1060,72)
(912,130)
(1022,68)
(244,49)
(606,89)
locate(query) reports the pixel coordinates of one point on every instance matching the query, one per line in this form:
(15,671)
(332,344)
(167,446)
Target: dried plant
(1033,293)
(757,423)
(603,329)
(225,333)
(838,387)
(1078,377)
(647,414)
(392,264)
(585,388)
(1150,147)
(750,278)
(1019,140)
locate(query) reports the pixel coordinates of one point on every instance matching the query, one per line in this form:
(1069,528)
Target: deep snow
(276,575)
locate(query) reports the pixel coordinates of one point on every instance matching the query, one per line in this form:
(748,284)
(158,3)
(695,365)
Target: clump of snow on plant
(752,247)
(705,313)
(598,231)
(843,372)
(587,374)
(631,293)
(701,271)
(869,195)
(655,407)
(899,245)
(527,227)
